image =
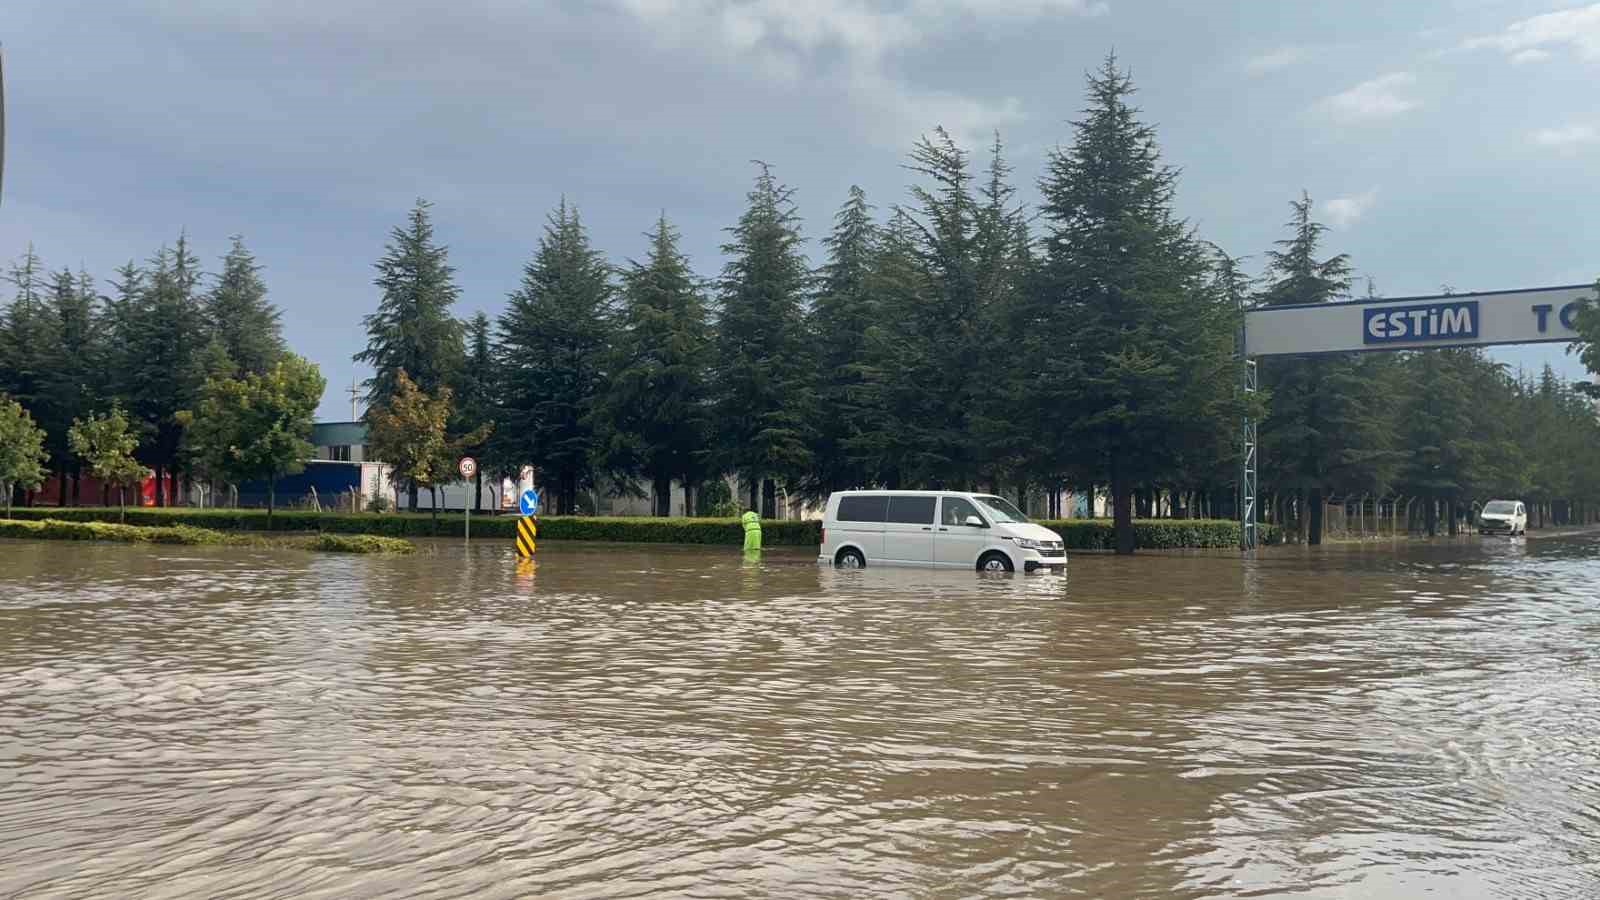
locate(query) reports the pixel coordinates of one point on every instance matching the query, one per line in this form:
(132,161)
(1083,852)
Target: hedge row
(1158,534)
(1079,534)
(190,536)
(50,529)
(356,543)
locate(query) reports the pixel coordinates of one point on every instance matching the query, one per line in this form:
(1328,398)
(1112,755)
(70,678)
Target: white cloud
(1342,212)
(1381,98)
(1282,58)
(1530,40)
(1567,139)
(845,45)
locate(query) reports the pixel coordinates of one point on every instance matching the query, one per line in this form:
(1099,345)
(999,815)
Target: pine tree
(763,408)
(166,359)
(24,334)
(954,269)
(246,325)
(1132,344)
(476,404)
(412,329)
(885,446)
(844,309)
(69,377)
(119,331)
(552,357)
(1326,428)
(653,419)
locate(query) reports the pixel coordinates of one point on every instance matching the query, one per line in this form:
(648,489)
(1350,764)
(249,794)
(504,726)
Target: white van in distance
(1503,517)
(947,529)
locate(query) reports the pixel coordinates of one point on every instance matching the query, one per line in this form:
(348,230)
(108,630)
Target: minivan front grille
(1051,548)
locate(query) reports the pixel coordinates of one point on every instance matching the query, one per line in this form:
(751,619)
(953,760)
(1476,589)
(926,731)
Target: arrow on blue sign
(529,502)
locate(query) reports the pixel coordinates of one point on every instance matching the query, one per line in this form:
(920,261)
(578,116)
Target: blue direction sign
(529,502)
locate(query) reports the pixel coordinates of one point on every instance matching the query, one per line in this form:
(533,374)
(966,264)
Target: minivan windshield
(1500,508)
(1000,509)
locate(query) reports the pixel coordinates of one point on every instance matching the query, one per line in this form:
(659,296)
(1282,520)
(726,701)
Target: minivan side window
(863,509)
(911,510)
(956,510)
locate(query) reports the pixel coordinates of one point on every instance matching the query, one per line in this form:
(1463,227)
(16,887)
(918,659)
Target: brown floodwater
(1384,721)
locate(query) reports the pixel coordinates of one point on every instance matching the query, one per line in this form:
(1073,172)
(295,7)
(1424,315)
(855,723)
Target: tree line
(959,339)
(166,374)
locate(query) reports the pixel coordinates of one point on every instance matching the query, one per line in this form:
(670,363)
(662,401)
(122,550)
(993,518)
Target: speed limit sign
(468,467)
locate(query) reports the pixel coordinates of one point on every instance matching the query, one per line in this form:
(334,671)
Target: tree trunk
(122,505)
(477,491)
(433,500)
(1431,512)
(1121,510)
(77,487)
(272,499)
(662,488)
(688,499)
(1314,513)
(769,499)
(1454,512)
(411,497)
(755,494)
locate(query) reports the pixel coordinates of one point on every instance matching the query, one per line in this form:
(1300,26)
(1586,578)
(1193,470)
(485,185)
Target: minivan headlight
(1027,543)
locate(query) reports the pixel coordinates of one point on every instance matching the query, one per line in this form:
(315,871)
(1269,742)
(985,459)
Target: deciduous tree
(22,452)
(106,444)
(258,426)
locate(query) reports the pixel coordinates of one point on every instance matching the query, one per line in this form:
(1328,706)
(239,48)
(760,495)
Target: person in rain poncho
(752,530)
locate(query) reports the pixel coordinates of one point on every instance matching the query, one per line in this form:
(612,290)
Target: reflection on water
(619,722)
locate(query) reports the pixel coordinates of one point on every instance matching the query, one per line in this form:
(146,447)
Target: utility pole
(354,393)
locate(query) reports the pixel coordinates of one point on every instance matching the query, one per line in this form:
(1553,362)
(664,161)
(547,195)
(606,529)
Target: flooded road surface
(626,722)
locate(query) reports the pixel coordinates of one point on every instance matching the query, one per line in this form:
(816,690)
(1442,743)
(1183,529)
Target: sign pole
(468,467)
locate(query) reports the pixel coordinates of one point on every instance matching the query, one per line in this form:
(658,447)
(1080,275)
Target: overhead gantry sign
(1533,316)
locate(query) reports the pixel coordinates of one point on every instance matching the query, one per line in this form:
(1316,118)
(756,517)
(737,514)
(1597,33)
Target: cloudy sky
(1447,142)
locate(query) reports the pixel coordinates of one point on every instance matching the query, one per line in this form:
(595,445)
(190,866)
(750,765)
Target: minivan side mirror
(975,522)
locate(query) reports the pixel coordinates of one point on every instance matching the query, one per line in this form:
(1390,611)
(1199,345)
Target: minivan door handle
(927,528)
(942,528)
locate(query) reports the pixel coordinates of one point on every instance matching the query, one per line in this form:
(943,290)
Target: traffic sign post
(468,467)
(528,525)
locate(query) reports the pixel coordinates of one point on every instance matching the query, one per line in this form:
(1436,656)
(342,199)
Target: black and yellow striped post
(527,530)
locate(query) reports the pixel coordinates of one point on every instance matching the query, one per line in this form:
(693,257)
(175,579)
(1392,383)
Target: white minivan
(1503,517)
(949,529)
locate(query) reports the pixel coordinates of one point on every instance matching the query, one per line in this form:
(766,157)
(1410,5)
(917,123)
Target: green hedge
(358,543)
(48,529)
(1158,534)
(191,536)
(1079,534)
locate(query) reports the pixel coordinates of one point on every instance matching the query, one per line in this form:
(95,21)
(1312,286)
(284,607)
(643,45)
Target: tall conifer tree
(1132,348)
(552,351)
(763,403)
(653,418)
(844,309)
(247,326)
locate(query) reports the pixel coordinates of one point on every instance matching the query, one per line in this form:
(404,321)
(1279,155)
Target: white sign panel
(1412,323)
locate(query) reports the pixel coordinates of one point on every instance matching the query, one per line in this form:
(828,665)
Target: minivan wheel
(994,561)
(850,558)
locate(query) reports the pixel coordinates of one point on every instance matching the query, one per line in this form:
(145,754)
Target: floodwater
(622,722)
